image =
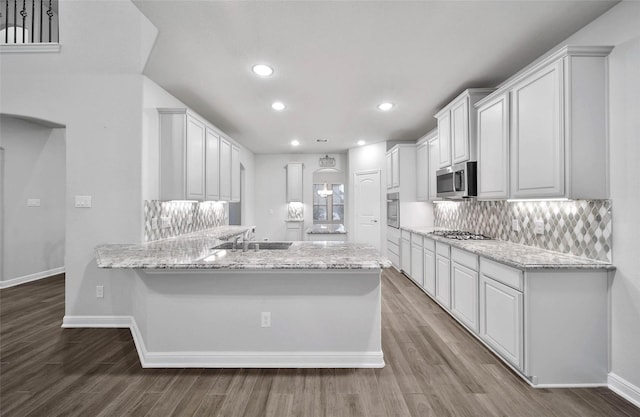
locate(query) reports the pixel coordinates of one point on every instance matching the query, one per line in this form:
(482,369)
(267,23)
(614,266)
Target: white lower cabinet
(393,246)
(405,252)
(464,288)
(293,231)
(429,267)
(417,267)
(443,275)
(501,324)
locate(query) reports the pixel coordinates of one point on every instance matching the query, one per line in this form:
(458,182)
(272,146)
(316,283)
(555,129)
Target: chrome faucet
(235,243)
(246,238)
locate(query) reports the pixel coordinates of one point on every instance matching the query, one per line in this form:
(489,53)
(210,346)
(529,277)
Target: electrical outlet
(83,201)
(189,220)
(154,223)
(265,319)
(538,226)
(99,291)
(515,226)
(165,222)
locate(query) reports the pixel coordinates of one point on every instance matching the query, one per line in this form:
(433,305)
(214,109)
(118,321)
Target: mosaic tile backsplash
(578,227)
(295,211)
(183,216)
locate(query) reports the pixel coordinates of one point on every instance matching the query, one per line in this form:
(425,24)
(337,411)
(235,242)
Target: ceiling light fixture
(295,142)
(361,142)
(262,70)
(385,106)
(325,192)
(278,106)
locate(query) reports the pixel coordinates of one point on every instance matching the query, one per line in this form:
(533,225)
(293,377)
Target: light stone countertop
(326,229)
(193,251)
(519,256)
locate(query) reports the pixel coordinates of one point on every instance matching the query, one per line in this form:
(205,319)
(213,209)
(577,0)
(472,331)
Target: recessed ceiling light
(361,142)
(322,140)
(262,70)
(295,142)
(385,106)
(278,106)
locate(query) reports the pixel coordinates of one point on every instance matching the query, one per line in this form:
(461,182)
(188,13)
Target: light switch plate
(83,201)
(515,226)
(538,226)
(165,222)
(154,223)
(33,202)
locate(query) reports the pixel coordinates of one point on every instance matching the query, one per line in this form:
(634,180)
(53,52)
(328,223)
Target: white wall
(93,87)
(34,168)
(271,189)
(620,27)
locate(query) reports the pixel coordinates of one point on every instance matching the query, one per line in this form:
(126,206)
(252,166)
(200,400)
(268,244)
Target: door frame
(381,207)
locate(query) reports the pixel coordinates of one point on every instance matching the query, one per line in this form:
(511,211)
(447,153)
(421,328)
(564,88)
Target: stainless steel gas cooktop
(460,235)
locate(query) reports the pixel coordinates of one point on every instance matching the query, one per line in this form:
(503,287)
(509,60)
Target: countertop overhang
(195,251)
(528,258)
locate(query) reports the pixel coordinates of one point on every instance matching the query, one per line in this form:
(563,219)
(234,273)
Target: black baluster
(50,14)
(6,32)
(15,21)
(33,20)
(23,13)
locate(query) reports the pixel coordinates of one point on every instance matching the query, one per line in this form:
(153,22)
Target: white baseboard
(119,322)
(624,388)
(227,359)
(31,277)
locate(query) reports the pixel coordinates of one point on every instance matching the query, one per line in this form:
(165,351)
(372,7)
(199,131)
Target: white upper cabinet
(422,172)
(444,140)
(556,110)
(423,166)
(538,148)
(395,167)
(457,128)
(294,182)
(235,174)
(225,169)
(195,159)
(493,147)
(212,168)
(401,170)
(434,159)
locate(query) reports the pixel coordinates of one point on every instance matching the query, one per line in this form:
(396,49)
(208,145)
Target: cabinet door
(443,281)
(212,168)
(395,167)
(444,140)
(389,165)
(294,182)
(225,169)
(537,137)
(493,148)
(422,172)
(430,272)
(195,159)
(460,131)
(235,174)
(293,231)
(417,268)
(405,256)
(434,165)
(501,319)
(464,295)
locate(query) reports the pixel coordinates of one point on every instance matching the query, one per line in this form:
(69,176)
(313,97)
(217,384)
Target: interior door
(367,207)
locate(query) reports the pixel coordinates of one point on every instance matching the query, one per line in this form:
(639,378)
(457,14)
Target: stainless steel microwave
(457,181)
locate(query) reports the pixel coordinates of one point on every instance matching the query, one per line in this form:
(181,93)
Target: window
(328,203)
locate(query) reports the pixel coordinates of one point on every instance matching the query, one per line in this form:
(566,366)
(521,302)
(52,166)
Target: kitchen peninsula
(312,304)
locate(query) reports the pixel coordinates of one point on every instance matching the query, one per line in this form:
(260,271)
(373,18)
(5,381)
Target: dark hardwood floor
(434,368)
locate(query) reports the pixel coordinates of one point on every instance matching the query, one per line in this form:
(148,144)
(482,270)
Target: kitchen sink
(252,245)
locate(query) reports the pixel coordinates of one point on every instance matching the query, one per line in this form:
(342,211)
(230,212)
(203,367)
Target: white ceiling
(335,61)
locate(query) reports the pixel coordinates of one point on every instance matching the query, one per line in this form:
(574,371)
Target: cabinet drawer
(393,247)
(429,244)
(502,273)
(416,239)
(405,234)
(464,258)
(443,249)
(294,225)
(393,234)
